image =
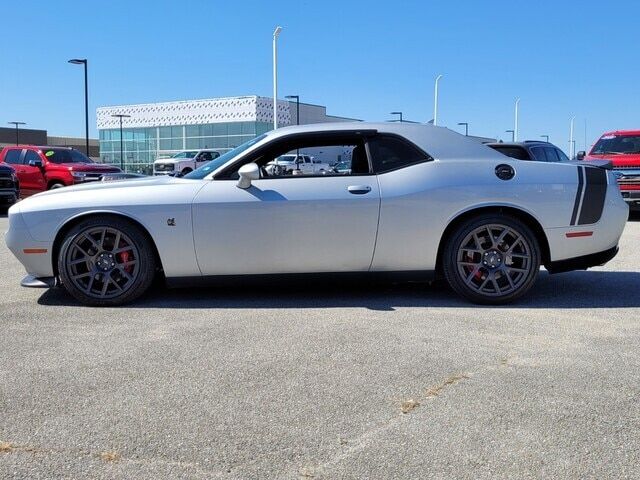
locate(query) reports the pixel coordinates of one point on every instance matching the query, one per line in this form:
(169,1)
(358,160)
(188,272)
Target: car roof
(622,132)
(439,142)
(40,147)
(526,143)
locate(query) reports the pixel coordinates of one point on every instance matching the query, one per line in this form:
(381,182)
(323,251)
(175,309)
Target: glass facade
(142,146)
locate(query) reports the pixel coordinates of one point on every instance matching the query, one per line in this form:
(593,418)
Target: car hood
(618,160)
(90,167)
(132,183)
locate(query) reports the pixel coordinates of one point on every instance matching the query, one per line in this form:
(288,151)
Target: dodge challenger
(418,201)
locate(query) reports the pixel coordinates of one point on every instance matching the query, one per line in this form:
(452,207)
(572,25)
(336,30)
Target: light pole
(121,116)
(546,138)
(466,128)
(17,124)
(515,125)
(297,97)
(83,61)
(512,132)
(435,100)
(276,33)
(571,138)
(397,113)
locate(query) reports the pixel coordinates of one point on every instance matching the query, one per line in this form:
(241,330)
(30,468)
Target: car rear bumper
(583,262)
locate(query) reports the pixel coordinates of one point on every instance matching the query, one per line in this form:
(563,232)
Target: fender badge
(171,222)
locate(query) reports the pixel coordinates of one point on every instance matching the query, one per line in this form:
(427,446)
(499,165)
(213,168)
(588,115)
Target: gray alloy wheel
(492,259)
(106,262)
(56,185)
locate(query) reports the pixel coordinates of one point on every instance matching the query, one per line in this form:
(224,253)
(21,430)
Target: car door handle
(359,189)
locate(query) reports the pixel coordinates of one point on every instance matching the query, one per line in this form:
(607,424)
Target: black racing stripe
(594,195)
(576,204)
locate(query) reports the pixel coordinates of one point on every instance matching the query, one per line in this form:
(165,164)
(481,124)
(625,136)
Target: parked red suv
(44,168)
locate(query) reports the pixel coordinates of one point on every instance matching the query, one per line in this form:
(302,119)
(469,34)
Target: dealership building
(156,130)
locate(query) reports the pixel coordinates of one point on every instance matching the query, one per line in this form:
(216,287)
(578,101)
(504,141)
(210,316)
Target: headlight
(78,176)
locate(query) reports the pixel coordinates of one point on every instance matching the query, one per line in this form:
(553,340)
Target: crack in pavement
(362,442)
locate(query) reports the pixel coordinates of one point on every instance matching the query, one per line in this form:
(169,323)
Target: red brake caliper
(124,257)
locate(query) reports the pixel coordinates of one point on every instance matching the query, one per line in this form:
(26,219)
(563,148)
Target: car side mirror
(247,173)
(581,154)
(36,163)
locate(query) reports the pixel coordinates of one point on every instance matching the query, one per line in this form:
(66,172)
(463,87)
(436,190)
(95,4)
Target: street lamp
(17,124)
(276,33)
(83,61)
(435,101)
(515,126)
(546,138)
(466,128)
(397,113)
(512,132)
(571,144)
(297,97)
(121,116)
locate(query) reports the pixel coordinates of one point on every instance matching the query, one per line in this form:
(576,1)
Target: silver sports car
(418,201)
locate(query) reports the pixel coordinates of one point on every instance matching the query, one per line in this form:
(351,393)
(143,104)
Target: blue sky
(359,58)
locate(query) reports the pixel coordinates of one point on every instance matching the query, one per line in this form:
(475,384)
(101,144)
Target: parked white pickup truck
(291,164)
(184,162)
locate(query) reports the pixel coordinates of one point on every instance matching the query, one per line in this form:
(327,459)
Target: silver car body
(208,227)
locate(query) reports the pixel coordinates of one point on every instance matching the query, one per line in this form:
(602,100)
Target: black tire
(488,273)
(55,185)
(186,170)
(135,284)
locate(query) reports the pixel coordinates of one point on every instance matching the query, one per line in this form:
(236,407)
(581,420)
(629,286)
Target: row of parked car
(26,170)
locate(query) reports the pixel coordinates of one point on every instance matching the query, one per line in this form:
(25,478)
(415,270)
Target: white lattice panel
(195,112)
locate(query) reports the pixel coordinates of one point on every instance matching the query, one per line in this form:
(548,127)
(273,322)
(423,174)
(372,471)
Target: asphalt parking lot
(313,382)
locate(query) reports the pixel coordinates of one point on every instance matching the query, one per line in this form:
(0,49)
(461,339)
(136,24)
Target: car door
(288,224)
(34,180)
(16,158)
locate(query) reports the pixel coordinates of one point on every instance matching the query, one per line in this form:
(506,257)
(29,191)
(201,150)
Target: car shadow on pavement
(582,289)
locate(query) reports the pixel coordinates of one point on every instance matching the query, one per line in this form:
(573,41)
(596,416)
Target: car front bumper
(34,255)
(632,197)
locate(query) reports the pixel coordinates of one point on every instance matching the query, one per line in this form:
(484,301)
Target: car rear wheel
(491,259)
(106,262)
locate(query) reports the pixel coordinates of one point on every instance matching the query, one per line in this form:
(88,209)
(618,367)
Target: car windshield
(617,144)
(213,165)
(184,155)
(65,155)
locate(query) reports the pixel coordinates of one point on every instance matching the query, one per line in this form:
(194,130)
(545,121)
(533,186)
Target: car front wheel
(106,262)
(491,259)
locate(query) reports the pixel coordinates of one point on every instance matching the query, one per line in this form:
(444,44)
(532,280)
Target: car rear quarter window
(518,153)
(391,153)
(13,156)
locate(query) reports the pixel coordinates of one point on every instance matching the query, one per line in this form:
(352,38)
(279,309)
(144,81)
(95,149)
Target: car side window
(389,153)
(31,155)
(562,156)
(539,154)
(552,154)
(13,156)
(314,154)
